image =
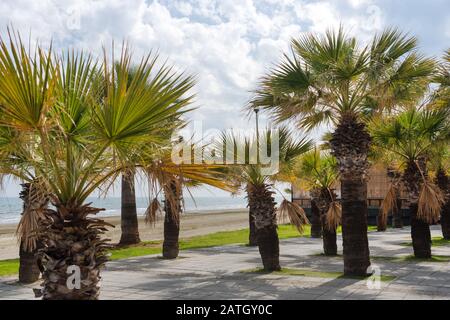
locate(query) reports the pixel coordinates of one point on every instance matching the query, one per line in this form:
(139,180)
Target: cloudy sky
(228,44)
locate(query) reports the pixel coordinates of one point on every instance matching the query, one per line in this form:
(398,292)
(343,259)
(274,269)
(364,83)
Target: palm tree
(80,125)
(259,186)
(332,79)
(35,201)
(317,171)
(129,219)
(169,178)
(410,136)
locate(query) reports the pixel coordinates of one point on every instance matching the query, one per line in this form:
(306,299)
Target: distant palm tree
(332,79)
(129,218)
(169,178)
(35,202)
(317,171)
(394,196)
(259,187)
(79,125)
(410,136)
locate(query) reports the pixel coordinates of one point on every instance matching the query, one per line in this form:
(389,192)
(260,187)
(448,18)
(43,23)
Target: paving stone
(215,273)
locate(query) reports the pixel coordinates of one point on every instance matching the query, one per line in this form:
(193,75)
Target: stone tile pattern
(215,273)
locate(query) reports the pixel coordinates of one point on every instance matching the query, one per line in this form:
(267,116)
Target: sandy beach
(191,225)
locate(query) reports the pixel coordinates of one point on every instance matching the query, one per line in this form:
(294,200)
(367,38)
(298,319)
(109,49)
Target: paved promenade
(216,273)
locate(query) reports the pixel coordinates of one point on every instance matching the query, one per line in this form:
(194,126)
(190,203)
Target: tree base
(28,269)
(170,252)
(329,243)
(268,243)
(445,220)
(421,239)
(354,227)
(126,240)
(72,254)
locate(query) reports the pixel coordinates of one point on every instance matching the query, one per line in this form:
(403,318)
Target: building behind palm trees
(377,188)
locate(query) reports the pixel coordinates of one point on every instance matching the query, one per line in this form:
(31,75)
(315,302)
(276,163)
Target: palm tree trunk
(269,248)
(128,215)
(443,182)
(381,222)
(397,216)
(322,198)
(420,230)
(252,237)
(172,224)
(28,266)
(316,225)
(350,145)
(445,220)
(329,239)
(262,203)
(329,243)
(73,253)
(354,227)
(420,234)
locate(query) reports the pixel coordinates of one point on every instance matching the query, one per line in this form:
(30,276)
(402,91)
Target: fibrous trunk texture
(316,225)
(420,234)
(172,211)
(252,237)
(72,254)
(397,216)
(443,181)
(420,230)
(262,203)
(128,216)
(28,266)
(381,222)
(350,145)
(322,199)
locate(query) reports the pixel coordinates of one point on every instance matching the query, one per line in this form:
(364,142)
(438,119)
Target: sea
(11,207)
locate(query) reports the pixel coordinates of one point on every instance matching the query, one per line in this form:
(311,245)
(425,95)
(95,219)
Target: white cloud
(358,3)
(183,7)
(228,44)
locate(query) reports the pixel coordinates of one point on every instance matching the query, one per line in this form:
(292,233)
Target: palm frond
(292,213)
(333,216)
(152,212)
(430,202)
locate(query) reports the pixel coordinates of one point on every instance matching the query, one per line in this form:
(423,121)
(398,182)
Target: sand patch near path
(191,225)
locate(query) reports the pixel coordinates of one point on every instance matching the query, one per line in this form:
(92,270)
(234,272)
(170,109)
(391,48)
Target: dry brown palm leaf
(290,212)
(35,200)
(389,203)
(27,228)
(334,214)
(430,202)
(152,212)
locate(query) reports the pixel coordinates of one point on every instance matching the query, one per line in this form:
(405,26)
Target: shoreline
(192,224)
